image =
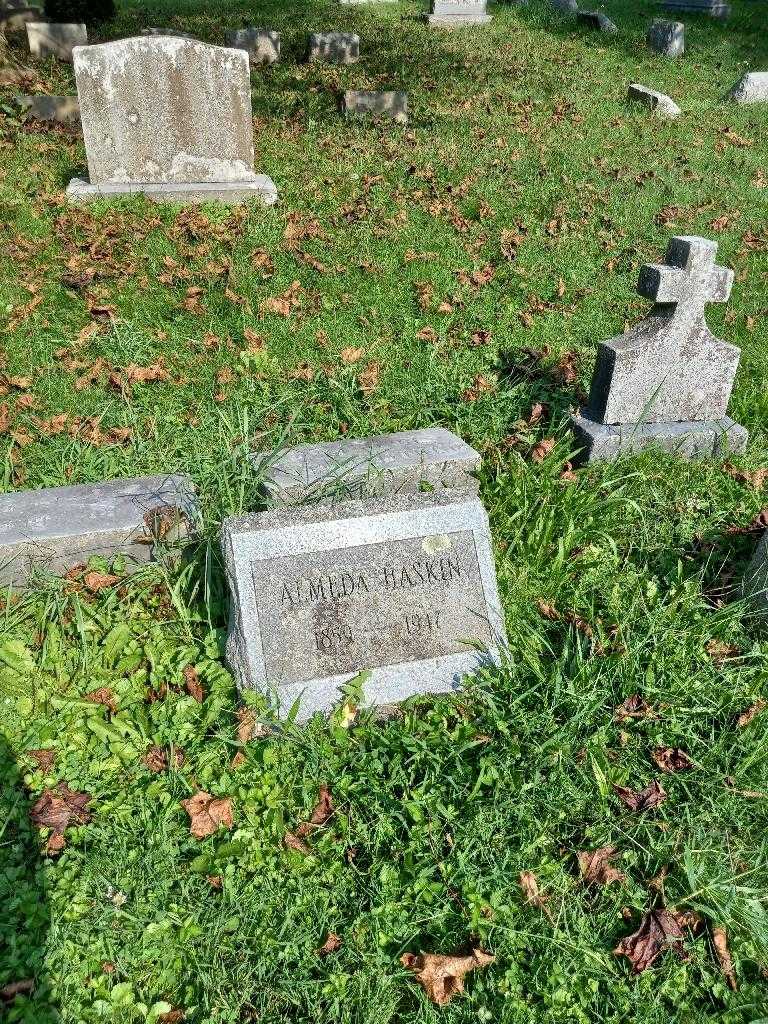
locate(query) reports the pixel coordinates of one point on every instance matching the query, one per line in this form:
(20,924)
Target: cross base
(694,439)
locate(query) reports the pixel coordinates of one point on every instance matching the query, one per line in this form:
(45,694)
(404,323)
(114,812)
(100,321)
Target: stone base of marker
(53,529)
(54,39)
(261,44)
(261,188)
(661,105)
(755,586)
(334,47)
(598,20)
(392,105)
(752,88)
(402,586)
(62,109)
(408,462)
(666,38)
(605,441)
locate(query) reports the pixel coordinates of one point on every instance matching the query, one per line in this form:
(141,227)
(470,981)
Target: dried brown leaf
(207,813)
(44,759)
(672,759)
(720,942)
(752,712)
(642,799)
(596,868)
(321,812)
(530,886)
(57,809)
(331,944)
(659,931)
(192,683)
(442,977)
(633,707)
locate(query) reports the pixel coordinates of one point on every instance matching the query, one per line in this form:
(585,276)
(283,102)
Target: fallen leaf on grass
(720,942)
(543,449)
(480,386)
(294,843)
(17,988)
(672,759)
(96,581)
(720,652)
(755,478)
(596,868)
(368,379)
(207,813)
(57,809)
(530,887)
(746,716)
(442,977)
(192,683)
(44,759)
(642,799)
(633,707)
(171,1017)
(322,811)
(659,930)
(103,696)
(156,759)
(351,355)
(331,944)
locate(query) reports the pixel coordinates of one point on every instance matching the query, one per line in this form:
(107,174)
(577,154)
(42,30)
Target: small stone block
(660,104)
(16,20)
(667,38)
(334,47)
(403,586)
(752,88)
(393,105)
(604,441)
(408,462)
(260,188)
(54,39)
(261,44)
(598,20)
(58,527)
(63,109)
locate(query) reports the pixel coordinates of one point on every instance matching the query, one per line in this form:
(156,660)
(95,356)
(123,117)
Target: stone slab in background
(445,13)
(406,462)
(661,105)
(334,47)
(166,32)
(169,117)
(713,8)
(403,586)
(64,109)
(16,20)
(59,527)
(752,88)
(261,44)
(696,439)
(55,39)
(756,578)
(666,37)
(358,102)
(598,20)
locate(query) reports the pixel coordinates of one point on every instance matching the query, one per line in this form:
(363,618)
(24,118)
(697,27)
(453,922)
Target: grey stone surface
(334,47)
(598,20)
(447,13)
(404,463)
(55,39)
(603,441)
(261,44)
(666,37)
(260,187)
(570,6)
(392,105)
(756,578)
(661,105)
(64,109)
(713,8)
(165,111)
(16,20)
(670,370)
(403,586)
(752,88)
(166,32)
(58,527)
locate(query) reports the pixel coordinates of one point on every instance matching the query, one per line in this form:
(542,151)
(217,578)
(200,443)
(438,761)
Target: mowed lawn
(460,272)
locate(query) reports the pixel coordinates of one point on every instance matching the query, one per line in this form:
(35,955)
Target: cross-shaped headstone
(669,372)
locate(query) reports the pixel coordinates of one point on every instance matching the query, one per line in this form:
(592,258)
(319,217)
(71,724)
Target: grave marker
(714,8)
(668,380)
(55,39)
(261,44)
(394,105)
(64,109)
(453,13)
(403,586)
(167,117)
(752,88)
(598,20)
(666,37)
(334,47)
(659,103)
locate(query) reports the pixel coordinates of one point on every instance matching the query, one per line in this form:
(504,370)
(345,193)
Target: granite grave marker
(751,88)
(598,20)
(403,586)
(668,380)
(167,117)
(713,8)
(55,39)
(454,13)
(63,109)
(334,47)
(362,103)
(661,104)
(666,37)
(261,44)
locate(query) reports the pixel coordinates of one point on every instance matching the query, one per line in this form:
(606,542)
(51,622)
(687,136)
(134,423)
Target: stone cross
(667,380)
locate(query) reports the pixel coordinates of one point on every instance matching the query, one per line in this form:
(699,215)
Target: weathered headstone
(454,13)
(409,462)
(64,109)
(403,586)
(713,8)
(568,6)
(261,44)
(756,578)
(334,47)
(167,117)
(16,19)
(598,20)
(666,37)
(392,105)
(659,103)
(752,88)
(59,527)
(668,380)
(54,39)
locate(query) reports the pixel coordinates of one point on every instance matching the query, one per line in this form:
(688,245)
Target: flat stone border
(261,188)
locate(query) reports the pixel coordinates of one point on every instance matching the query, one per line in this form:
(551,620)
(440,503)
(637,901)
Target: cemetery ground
(459,271)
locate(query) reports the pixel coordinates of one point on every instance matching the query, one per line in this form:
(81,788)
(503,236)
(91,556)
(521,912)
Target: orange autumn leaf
(208,813)
(442,977)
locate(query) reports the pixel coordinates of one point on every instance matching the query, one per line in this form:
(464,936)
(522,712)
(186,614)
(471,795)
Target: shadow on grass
(24,914)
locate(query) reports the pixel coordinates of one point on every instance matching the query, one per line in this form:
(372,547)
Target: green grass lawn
(458,272)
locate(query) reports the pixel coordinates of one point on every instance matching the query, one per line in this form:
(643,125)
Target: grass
(521,157)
